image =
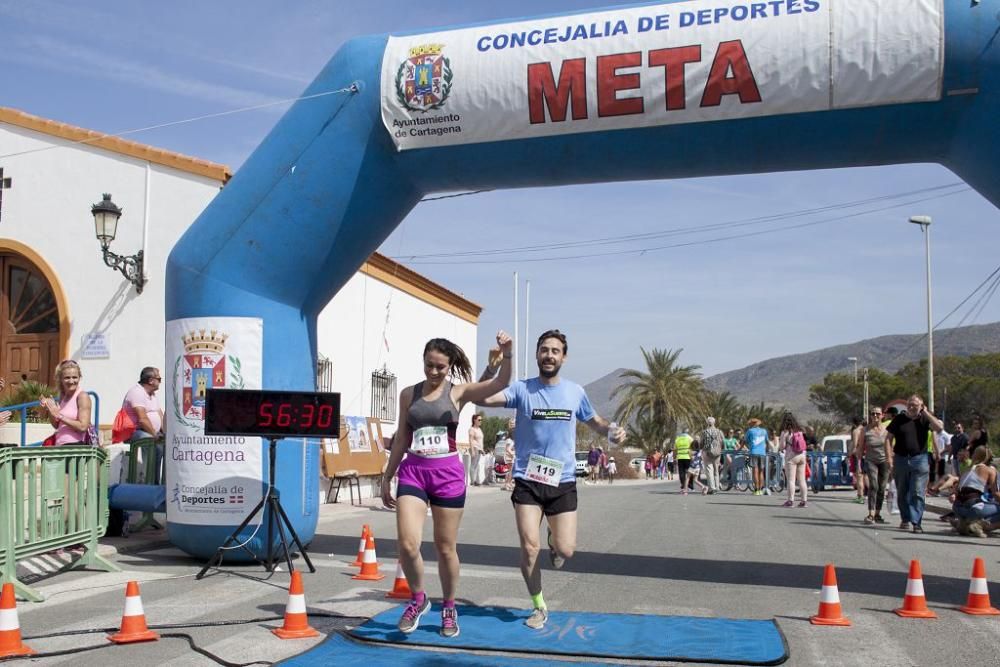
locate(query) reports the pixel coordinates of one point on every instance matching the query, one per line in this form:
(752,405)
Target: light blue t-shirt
(757,440)
(546,422)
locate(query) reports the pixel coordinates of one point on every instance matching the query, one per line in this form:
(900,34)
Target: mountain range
(785,381)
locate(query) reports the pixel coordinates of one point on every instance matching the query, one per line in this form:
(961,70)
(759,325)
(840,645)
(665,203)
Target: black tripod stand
(275,518)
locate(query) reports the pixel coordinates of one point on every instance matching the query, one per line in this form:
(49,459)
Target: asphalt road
(643,548)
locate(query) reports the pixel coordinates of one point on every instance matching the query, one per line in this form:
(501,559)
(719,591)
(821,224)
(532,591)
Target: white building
(58,299)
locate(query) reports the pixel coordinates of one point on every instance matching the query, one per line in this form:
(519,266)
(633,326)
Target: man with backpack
(711,451)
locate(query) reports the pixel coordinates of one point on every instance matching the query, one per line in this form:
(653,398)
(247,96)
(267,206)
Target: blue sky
(115,66)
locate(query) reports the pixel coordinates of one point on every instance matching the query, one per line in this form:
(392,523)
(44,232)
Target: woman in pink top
(70,415)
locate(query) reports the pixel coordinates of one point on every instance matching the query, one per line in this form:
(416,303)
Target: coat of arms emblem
(202,367)
(423,81)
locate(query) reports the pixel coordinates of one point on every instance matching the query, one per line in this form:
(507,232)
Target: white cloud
(54,54)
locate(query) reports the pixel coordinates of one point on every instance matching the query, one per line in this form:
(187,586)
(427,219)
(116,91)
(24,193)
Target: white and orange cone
(829,601)
(361,546)
(400,587)
(133,628)
(978,602)
(296,619)
(914,602)
(369,565)
(10,628)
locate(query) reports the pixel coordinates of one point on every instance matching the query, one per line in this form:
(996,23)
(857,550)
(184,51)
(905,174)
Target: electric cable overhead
(219,114)
(681,230)
(642,251)
(994,277)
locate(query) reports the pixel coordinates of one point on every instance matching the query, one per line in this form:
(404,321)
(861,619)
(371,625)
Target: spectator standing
(812,442)
(70,414)
(959,442)
(508,457)
(878,463)
(593,459)
(691,478)
(978,436)
(907,435)
(477,450)
(682,452)
(612,470)
(669,465)
(143,407)
(793,444)
(602,463)
(857,466)
(756,441)
(712,443)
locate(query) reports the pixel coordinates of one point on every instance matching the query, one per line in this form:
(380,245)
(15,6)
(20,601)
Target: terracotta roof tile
(213,170)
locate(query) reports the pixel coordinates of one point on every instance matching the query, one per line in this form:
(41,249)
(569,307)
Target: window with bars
(324,374)
(383,395)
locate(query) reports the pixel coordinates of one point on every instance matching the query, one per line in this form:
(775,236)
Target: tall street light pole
(855,360)
(925,226)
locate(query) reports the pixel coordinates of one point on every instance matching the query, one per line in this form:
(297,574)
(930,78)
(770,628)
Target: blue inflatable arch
(329,183)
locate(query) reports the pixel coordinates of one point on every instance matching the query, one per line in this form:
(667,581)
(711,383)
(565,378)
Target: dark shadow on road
(782,574)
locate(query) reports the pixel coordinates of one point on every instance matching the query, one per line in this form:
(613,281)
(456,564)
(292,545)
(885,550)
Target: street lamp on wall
(106,215)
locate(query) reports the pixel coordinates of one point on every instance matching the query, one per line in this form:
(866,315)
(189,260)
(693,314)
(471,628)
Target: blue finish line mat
(339,650)
(677,638)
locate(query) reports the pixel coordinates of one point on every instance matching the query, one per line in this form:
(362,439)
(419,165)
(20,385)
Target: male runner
(547,409)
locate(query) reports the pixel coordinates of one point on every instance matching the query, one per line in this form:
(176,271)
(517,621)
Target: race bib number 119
(543,469)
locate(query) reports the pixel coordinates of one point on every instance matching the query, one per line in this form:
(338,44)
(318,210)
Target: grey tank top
(440,412)
(875,446)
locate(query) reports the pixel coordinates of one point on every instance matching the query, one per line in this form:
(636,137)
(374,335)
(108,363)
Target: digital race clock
(272,414)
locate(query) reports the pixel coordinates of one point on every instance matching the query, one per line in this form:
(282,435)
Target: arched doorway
(29,322)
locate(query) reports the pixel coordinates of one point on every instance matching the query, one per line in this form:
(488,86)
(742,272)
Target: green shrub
(28,391)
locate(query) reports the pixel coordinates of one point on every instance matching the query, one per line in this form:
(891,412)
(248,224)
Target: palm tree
(727,410)
(646,434)
(665,393)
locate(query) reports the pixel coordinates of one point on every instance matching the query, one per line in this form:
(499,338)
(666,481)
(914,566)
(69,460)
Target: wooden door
(29,323)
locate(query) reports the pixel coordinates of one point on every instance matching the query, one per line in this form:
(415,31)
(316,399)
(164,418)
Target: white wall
(350,330)
(48,209)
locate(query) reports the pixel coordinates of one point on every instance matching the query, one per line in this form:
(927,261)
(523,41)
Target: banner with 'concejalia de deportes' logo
(211,480)
(681,62)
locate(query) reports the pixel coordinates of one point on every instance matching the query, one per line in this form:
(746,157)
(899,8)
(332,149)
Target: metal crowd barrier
(144,450)
(51,498)
(829,469)
(22,410)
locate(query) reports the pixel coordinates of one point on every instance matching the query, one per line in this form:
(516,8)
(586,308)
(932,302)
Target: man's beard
(548,374)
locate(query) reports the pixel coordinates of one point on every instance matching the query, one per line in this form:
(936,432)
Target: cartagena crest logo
(203,366)
(424,80)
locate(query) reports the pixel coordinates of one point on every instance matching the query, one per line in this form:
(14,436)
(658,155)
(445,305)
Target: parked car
(638,463)
(581,464)
(838,444)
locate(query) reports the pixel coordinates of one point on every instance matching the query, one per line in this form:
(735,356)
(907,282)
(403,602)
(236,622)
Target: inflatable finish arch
(680,89)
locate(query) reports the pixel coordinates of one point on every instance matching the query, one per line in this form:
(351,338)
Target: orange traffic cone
(10,628)
(914,602)
(133,627)
(361,546)
(978,602)
(296,619)
(829,601)
(369,566)
(400,587)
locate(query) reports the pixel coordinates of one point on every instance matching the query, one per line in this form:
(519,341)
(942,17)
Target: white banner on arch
(684,62)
